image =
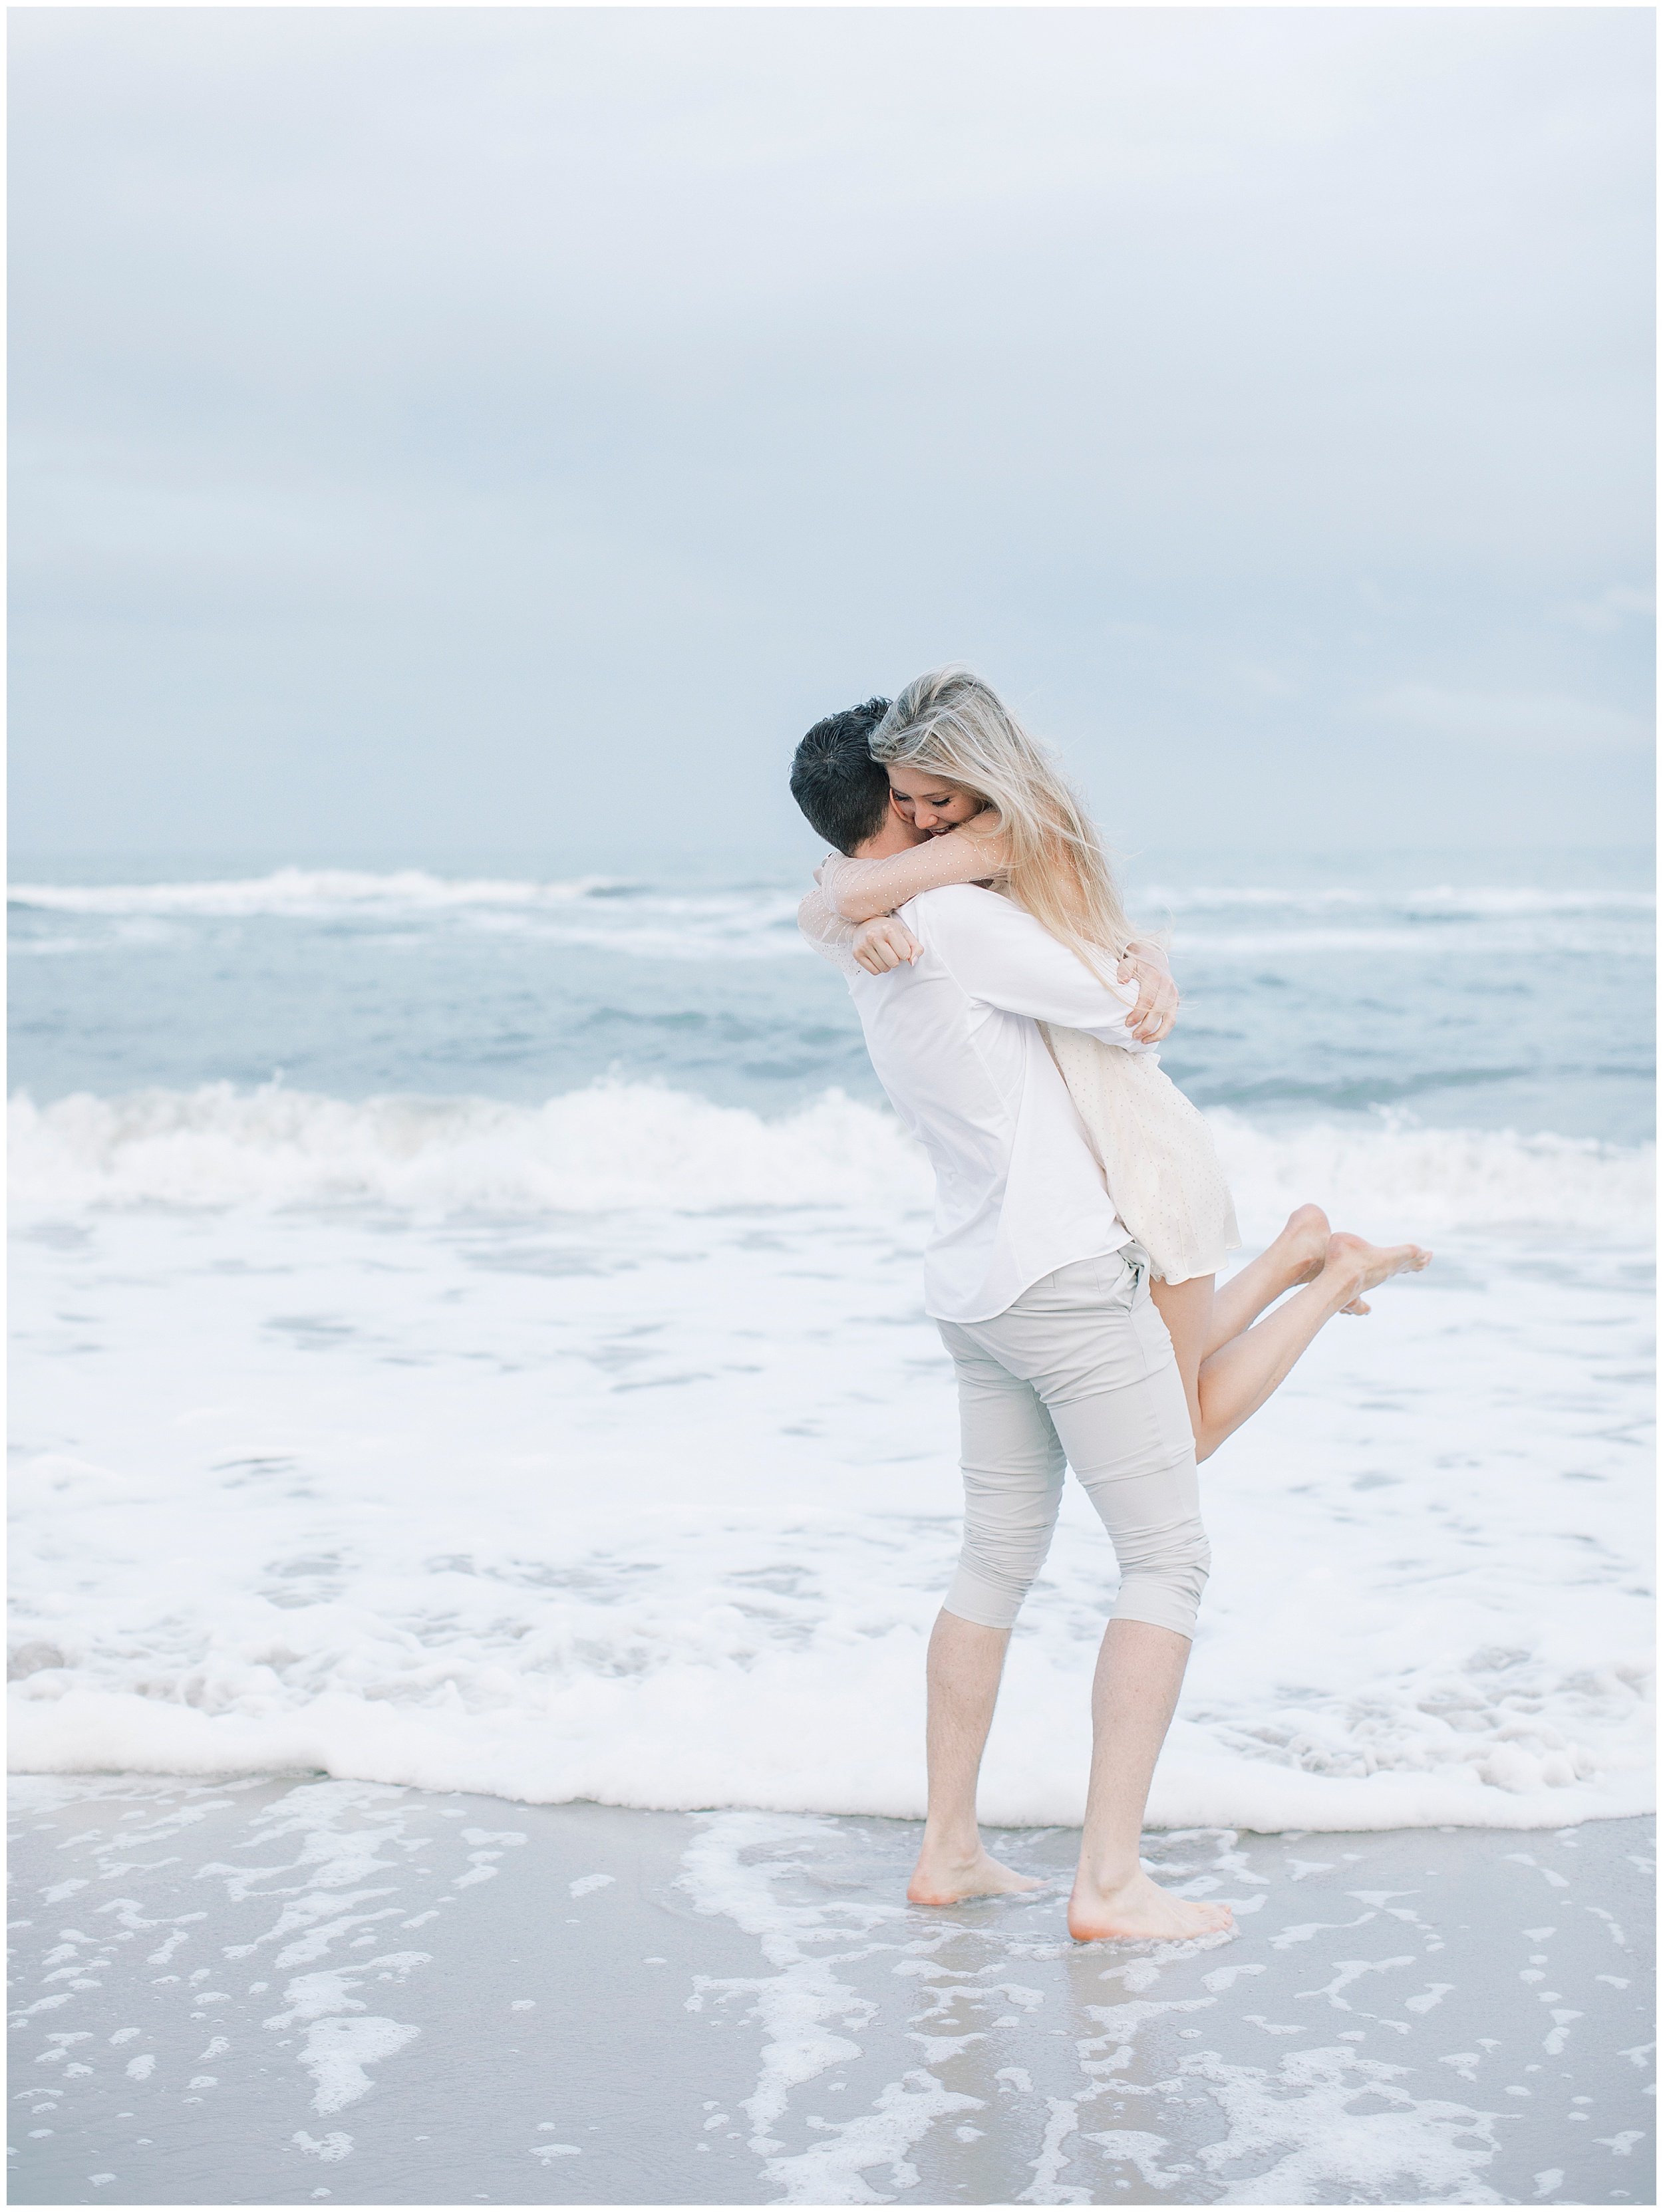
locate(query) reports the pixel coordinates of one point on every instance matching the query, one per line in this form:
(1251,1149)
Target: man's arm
(1001,955)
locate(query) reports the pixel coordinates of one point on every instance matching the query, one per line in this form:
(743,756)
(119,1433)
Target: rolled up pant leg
(1013,1469)
(1095,1353)
(1121,1446)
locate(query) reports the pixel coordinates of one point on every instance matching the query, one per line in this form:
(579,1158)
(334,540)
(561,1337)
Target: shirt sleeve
(1001,955)
(829,935)
(861,888)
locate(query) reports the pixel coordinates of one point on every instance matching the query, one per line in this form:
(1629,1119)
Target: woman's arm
(969,854)
(830,936)
(876,946)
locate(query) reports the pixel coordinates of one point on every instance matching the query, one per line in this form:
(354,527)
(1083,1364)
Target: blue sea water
(1468,990)
(468,1334)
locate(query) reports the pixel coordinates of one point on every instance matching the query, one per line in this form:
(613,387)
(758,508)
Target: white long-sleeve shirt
(954,1041)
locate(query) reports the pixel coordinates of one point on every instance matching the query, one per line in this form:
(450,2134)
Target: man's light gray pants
(1079,1372)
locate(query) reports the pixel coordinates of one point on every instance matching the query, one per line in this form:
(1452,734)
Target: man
(1042,1301)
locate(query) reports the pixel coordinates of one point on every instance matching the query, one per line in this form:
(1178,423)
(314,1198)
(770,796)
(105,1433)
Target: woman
(993,809)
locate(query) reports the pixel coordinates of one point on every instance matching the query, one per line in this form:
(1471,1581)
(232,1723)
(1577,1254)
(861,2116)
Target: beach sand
(278,1991)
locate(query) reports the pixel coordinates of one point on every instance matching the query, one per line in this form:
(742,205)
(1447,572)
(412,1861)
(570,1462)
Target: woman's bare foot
(944,1878)
(1304,1244)
(1358,1266)
(1140,1911)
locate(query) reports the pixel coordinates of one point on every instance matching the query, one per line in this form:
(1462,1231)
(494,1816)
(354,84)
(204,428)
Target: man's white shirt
(954,1041)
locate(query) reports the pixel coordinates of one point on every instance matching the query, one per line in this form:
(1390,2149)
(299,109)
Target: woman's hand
(884,943)
(1152,1017)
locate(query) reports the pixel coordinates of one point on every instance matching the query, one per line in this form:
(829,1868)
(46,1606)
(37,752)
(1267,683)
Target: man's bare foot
(941,1878)
(1140,1911)
(1358,1266)
(1304,1243)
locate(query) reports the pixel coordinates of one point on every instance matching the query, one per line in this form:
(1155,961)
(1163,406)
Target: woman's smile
(930,804)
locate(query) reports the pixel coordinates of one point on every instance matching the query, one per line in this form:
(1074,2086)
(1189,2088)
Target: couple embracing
(1081,1221)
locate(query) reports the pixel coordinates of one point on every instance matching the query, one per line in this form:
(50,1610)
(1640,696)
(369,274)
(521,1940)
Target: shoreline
(1323,1803)
(283,1991)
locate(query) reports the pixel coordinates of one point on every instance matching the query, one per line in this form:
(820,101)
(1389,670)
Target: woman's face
(930,802)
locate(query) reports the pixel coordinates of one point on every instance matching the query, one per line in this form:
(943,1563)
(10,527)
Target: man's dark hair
(835,780)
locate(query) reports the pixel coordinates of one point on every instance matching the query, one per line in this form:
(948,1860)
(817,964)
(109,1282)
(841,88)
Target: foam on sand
(1409,2017)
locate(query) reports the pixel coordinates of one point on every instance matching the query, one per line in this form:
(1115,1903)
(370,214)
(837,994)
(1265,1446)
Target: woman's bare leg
(1296,1256)
(1188,1310)
(1229,1373)
(1238,1378)
(1201,1319)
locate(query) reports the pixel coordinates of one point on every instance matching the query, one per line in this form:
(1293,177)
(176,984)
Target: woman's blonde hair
(951,723)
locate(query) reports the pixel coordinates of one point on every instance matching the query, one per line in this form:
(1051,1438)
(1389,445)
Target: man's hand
(1152,1017)
(884,943)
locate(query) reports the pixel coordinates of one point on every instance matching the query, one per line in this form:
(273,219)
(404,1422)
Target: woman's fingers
(883,945)
(1153,1017)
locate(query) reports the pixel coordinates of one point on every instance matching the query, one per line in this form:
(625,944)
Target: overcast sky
(446,429)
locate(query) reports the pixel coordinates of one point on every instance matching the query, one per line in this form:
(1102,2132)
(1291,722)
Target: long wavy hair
(954,726)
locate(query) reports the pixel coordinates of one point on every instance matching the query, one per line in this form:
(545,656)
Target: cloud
(1607,612)
(399,395)
(1524,720)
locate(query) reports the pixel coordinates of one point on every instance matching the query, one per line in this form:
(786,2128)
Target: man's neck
(896,835)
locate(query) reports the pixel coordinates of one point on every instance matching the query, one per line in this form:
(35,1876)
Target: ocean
(469,1334)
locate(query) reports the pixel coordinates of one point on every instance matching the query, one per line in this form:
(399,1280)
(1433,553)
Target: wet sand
(275,1992)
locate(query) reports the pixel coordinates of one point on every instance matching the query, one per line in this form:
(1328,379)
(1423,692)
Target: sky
(460,429)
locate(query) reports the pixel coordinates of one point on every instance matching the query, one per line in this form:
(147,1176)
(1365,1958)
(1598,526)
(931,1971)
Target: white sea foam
(853,2046)
(656,1508)
(1441,901)
(308,892)
(682,924)
(313,891)
(311,1876)
(599,913)
(1320,2122)
(613,1144)
(796,2006)
(1602,936)
(1381,1173)
(622,1144)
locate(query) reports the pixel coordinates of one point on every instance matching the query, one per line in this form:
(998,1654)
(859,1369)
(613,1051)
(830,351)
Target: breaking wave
(632,1145)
